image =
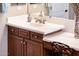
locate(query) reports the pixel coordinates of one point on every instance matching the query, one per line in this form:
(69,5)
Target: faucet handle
(44,21)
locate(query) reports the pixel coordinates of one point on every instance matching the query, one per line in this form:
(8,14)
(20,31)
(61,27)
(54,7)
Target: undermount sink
(46,28)
(37,24)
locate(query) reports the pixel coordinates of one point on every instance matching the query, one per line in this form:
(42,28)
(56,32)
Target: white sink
(37,24)
(46,28)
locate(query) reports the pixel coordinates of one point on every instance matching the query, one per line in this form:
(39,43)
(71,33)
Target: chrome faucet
(29,16)
(40,20)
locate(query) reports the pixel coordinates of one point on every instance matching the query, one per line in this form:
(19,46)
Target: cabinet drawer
(48,45)
(36,36)
(13,30)
(23,33)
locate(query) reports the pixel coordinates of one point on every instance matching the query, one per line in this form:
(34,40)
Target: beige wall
(22,9)
(37,8)
(17,10)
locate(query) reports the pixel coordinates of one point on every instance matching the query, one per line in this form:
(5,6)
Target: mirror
(60,10)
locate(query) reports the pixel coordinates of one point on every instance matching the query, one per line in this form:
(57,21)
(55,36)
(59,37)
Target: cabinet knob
(21,41)
(12,30)
(36,37)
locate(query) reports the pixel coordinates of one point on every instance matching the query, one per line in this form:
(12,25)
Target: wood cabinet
(48,49)
(36,37)
(27,43)
(34,48)
(15,46)
(10,45)
(22,43)
(76,53)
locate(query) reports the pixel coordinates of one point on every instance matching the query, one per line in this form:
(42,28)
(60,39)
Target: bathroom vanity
(29,39)
(24,42)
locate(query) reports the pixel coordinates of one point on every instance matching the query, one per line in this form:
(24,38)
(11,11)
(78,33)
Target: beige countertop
(62,36)
(21,22)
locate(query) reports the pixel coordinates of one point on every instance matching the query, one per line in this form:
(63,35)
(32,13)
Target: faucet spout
(29,16)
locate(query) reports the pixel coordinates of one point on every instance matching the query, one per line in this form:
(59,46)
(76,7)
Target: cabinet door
(34,48)
(24,48)
(15,45)
(18,46)
(10,45)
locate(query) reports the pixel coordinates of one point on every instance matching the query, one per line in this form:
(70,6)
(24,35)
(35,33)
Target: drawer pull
(36,37)
(12,30)
(21,41)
